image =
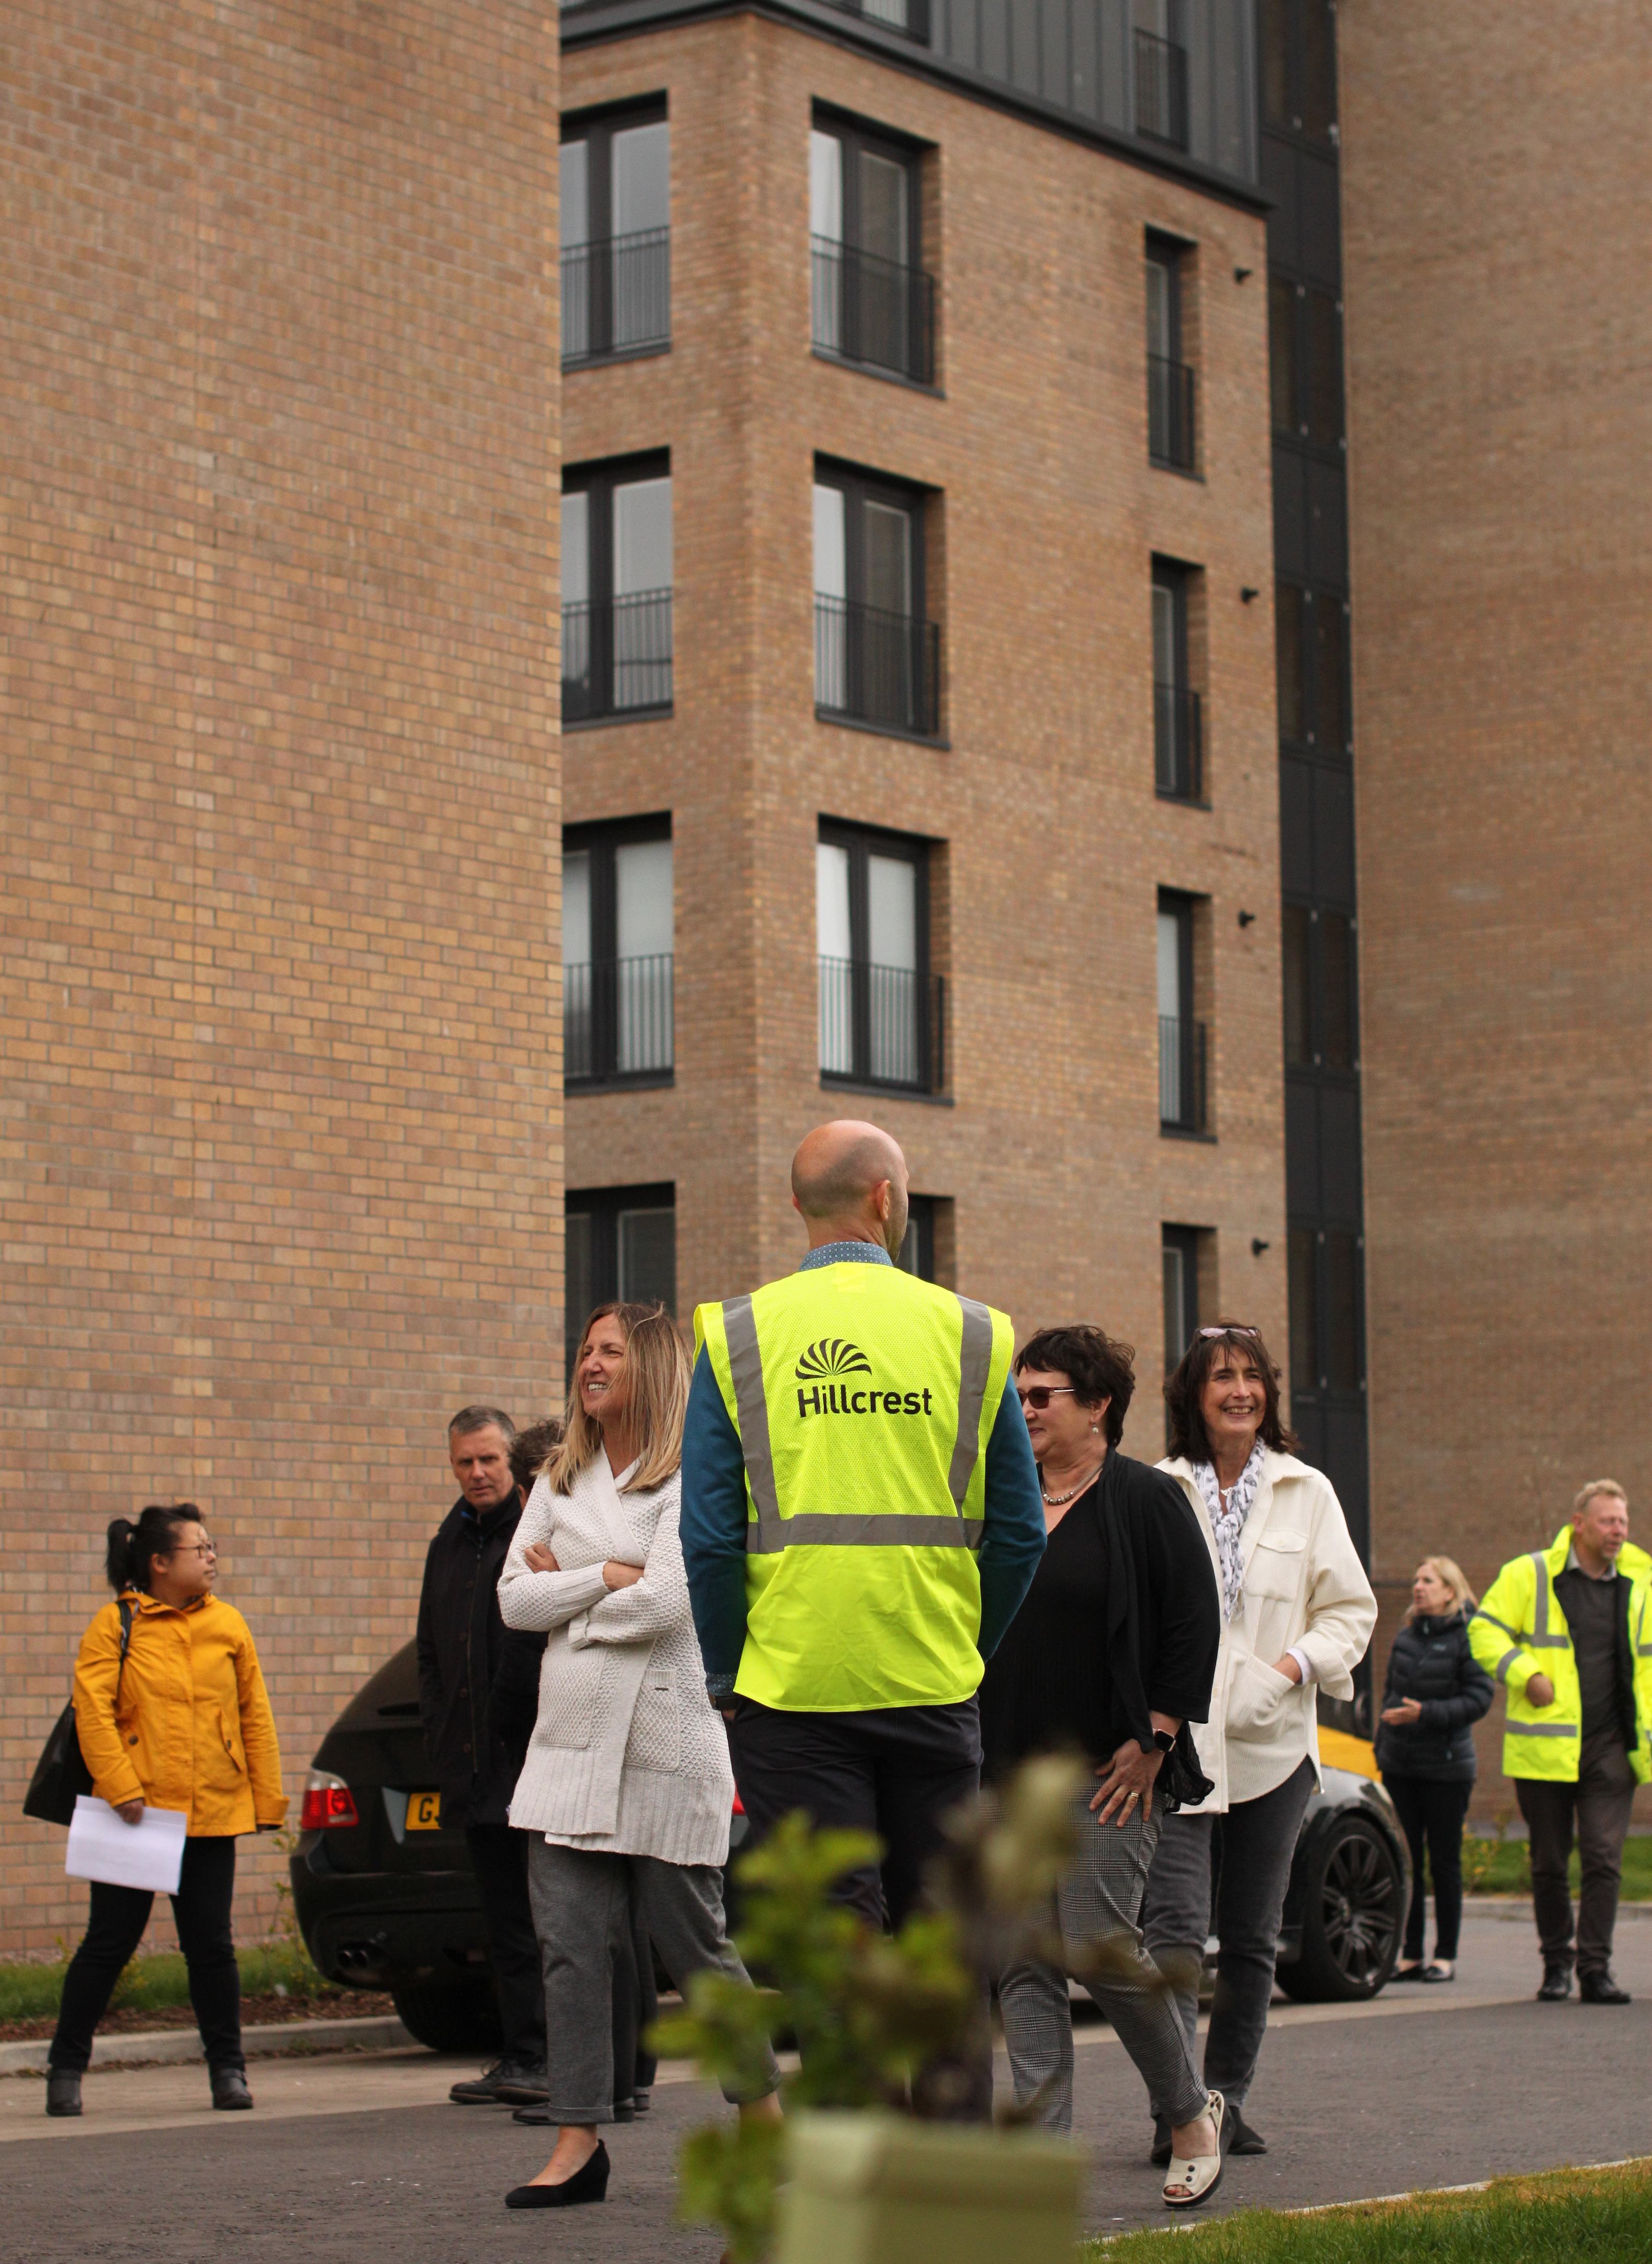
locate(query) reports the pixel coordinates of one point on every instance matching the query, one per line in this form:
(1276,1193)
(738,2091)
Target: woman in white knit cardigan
(626,1787)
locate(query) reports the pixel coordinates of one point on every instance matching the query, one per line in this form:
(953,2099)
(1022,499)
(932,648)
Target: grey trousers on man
(582,1908)
(1601,1800)
(1097,1907)
(1258,1840)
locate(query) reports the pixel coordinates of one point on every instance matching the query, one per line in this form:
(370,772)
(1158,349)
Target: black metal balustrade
(1181,1074)
(910,17)
(616,297)
(876,667)
(616,656)
(1178,743)
(1161,89)
(618,1019)
(872,311)
(883,1025)
(1170,413)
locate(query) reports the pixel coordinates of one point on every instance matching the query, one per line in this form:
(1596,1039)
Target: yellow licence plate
(423,1810)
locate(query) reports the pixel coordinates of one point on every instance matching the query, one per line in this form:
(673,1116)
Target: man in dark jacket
(478,1693)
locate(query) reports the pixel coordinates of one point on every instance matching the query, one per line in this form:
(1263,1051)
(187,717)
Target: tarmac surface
(362,2156)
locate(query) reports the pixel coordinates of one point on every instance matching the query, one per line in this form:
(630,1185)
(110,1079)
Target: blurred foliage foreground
(880,2021)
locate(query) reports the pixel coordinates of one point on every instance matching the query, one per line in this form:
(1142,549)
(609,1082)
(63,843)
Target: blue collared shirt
(713,1514)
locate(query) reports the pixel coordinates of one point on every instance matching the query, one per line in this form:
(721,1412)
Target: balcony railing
(616,297)
(869,311)
(876,667)
(1179,750)
(1161,89)
(1181,1074)
(883,1025)
(1170,413)
(909,17)
(617,1018)
(616,656)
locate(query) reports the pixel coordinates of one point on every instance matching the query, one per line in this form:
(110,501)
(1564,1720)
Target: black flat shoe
(1406,1973)
(1436,1973)
(588,2183)
(1244,2139)
(1160,2156)
(62,2092)
(1557,1984)
(1601,1988)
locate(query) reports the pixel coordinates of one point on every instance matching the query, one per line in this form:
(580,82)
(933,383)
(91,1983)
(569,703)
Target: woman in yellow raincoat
(182,1722)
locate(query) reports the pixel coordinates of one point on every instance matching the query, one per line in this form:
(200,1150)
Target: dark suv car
(387,1901)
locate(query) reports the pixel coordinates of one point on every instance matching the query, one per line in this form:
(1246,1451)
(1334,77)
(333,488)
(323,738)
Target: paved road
(363,2158)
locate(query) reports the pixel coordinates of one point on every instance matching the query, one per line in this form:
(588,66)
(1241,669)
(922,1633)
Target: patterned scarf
(1228,1525)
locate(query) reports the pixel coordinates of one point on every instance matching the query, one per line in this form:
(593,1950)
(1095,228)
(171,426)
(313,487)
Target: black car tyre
(449,2020)
(1353,1910)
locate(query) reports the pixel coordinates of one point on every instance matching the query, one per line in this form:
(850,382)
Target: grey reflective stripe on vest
(1503,1627)
(1540,1638)
(745,1370)
(974,1365)
(1502,1669)
(895,1529)
(1542,1728)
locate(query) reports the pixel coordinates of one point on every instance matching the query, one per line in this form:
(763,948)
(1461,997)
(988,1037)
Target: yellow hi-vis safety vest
(864,1400)
(1521,1630)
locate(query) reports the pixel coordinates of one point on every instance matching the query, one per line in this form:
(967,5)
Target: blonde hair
(1448,1570)
(656,1377)
(1586,1494)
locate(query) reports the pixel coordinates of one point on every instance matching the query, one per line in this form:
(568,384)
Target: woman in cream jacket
(1298,1611)
(626,1789)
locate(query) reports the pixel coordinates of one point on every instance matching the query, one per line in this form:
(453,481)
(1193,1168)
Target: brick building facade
(282,1118)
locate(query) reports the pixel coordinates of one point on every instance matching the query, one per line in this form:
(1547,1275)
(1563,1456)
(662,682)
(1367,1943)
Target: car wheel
(1351,1914)
(449,2020)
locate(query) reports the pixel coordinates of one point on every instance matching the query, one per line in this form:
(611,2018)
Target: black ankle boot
(62,2091)
(229,2088)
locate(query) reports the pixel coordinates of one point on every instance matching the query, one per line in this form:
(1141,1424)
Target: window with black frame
(616,234)
(877,660)
(1297,39)
(871,302)
(618,963)
(1170,386)
(620,1245)
(617,547)
(882,1011)
(1178,740)
(1182,1097)
(1178,1258)
(917,1246)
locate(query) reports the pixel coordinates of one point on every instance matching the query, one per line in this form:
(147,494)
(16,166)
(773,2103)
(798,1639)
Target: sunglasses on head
(1237,1330)
(1039,1396)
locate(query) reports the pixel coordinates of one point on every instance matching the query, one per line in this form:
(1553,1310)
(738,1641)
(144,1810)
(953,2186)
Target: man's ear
(883,1199)
(797,1207)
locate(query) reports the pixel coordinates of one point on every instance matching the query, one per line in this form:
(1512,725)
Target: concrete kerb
(156,2047)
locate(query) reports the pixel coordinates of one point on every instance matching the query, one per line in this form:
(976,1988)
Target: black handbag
(61,1774)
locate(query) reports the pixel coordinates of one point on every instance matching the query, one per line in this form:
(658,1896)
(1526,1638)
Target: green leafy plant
(879,2021)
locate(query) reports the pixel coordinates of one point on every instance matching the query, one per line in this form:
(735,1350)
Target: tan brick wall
(1056,843)
(282,1125)
(1495,165)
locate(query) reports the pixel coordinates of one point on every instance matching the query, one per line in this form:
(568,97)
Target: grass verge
(33,1992)
(1503,1867)
(1565,2216)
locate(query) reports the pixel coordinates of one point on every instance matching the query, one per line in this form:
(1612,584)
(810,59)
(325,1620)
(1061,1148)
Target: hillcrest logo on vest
(835,1357)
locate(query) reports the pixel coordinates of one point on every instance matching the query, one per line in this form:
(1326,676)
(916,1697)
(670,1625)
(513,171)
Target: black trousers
(1600,1802)
(895,1770)
(1431,1815)
(499,1857)
(201,1909)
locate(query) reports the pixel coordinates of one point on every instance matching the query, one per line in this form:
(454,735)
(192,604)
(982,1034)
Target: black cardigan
(1432,1660)
(478,1680)
(1159,1632)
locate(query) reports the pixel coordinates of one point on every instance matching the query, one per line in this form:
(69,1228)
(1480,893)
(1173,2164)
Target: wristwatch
(1164,1741)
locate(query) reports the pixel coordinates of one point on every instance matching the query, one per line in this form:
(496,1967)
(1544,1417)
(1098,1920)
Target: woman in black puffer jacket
(1434,1695)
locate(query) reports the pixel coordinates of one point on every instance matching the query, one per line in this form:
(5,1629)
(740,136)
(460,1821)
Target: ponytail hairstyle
(132,1549)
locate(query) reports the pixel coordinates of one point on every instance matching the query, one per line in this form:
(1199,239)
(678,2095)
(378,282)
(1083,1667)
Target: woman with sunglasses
(1111,1653)
(182,1720)
(1297,1610)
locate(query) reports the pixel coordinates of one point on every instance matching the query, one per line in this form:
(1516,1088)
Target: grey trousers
(1258,1840)
(583,1905)
(1601,1801)
(1098,1903)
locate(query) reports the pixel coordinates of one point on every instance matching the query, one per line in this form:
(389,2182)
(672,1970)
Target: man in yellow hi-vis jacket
(1568,1630)
(861,1518)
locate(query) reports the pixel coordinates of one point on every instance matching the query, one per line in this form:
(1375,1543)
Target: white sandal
(1199,2174)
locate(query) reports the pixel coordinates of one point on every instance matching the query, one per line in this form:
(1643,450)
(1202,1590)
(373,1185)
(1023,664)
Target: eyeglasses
(1041,1394)
(199,1549)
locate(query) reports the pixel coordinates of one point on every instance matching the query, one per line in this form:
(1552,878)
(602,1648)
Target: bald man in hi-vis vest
(861,1519)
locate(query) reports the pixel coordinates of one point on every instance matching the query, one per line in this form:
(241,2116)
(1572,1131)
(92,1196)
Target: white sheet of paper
(148,1855)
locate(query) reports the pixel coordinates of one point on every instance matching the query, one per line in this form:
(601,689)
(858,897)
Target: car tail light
(327,1803)
(739,1806)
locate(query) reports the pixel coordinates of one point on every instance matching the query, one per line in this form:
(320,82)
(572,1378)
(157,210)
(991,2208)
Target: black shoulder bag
(61,1774)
